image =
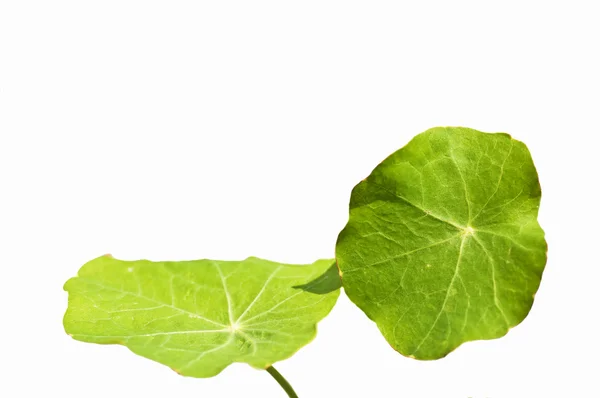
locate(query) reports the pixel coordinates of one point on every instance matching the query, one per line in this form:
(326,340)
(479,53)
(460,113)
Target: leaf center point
(234,327)
(468,231)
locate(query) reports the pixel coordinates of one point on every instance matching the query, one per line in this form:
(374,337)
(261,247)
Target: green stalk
(282,382)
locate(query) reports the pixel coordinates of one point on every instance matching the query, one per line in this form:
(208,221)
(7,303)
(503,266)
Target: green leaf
(200,316)
(443,244)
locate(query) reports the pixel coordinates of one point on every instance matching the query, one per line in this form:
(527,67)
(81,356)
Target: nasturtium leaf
(197,317)
(443,245)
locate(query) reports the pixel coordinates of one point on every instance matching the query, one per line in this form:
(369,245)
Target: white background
(197,129)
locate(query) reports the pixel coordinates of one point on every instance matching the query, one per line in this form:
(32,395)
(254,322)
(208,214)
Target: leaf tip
(108,255)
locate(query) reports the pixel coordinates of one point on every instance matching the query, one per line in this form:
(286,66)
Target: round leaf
(443,245)
(200,316)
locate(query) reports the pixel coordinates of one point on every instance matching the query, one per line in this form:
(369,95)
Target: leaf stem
(282,382)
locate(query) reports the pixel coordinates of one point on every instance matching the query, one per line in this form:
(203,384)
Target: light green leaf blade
(197,317)
(443,245)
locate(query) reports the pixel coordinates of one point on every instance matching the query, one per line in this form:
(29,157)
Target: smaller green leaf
(198,317)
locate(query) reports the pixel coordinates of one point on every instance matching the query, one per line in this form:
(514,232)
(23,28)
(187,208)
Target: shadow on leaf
(324,283)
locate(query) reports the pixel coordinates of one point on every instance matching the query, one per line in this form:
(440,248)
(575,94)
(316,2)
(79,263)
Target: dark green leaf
(443,244)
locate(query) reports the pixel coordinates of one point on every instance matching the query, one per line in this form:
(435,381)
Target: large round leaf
(443,244)
(200,316)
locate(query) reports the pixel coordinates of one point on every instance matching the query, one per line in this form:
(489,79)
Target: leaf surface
(443,245)
(200,316)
